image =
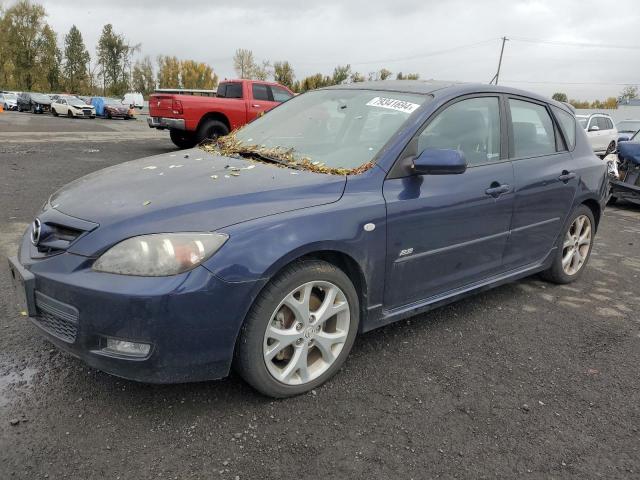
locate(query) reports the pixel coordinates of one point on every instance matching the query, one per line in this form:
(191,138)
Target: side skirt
(379,317)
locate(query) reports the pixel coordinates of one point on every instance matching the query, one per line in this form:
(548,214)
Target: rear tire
(317,333)
(210,130)
(182,139)
(573,245)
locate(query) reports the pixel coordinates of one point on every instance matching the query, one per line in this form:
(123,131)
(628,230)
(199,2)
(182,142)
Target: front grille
(56,318)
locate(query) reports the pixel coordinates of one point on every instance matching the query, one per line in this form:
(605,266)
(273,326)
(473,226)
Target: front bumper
(191,320)
(625,191)
(164,122)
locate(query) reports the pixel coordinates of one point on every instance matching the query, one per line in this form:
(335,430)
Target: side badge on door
(405,252)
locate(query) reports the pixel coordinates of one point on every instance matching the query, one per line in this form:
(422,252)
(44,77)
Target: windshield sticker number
(393,104)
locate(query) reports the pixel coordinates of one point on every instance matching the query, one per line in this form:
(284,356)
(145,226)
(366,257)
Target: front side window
(260,92)
(568,123)
(532,127)
(471,126)
(280,94)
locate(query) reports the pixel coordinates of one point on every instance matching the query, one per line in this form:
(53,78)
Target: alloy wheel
(576,246)
(306,332)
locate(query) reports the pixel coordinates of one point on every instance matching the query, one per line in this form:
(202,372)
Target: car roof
(438,88)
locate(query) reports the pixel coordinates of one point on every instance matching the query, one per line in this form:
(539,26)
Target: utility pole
(497,75)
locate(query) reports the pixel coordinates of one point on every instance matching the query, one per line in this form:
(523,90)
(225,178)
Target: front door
(448,231)
(261,100)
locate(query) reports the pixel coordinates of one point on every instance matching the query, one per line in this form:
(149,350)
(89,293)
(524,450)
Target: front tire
(611,148)
(182,139)
(53,111)
(299,330)
(573,248)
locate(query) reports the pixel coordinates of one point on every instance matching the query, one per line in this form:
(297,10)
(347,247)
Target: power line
(575,44)
(412,57)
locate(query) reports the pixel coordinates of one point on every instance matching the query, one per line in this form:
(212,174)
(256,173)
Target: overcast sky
(402,35)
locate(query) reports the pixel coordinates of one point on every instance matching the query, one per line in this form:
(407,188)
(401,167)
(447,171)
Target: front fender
(258,249)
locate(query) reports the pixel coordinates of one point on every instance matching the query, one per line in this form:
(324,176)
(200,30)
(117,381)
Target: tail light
(177,107)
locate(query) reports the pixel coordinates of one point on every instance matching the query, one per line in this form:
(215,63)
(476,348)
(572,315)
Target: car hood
(188,191)
(117,108)
(81,105)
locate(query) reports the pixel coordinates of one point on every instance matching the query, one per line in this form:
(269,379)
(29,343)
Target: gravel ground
(528,380)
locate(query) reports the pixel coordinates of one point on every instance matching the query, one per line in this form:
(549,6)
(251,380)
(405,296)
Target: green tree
(283,74)
(23,33)
(243,63)
(168,72)
(560,97)
(114,56)
(356,77)
(409,76)
(383,74)
(76,61)
(197,75)
(341,74)
(142,79)
(628,93)
(50,60)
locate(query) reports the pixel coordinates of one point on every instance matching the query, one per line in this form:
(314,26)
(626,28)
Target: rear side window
(280,94)
(230,90)
(568,124)
(471,126)
(260,92)
(533,132)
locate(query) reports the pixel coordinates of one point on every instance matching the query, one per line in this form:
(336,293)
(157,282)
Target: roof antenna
(497,75)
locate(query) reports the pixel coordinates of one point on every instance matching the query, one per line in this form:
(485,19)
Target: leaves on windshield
(230,146)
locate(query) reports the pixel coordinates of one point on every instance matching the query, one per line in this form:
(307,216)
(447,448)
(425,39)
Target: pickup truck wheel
(211,129)
(182,139)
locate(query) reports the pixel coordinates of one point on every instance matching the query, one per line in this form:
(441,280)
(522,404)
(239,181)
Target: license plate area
(24,287)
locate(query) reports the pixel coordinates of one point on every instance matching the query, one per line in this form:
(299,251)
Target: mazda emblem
(36,227)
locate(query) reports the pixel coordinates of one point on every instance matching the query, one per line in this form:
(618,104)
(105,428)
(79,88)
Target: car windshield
(629,126)
(336,130)
(38,97)
(74,100)
(9,96)
(636,137)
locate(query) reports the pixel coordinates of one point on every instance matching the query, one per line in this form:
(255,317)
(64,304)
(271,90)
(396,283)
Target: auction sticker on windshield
(393,104)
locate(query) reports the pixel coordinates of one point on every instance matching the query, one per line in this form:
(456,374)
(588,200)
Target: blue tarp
(98,102)
(629,151)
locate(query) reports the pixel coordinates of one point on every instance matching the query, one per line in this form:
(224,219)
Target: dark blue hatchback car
(340,211)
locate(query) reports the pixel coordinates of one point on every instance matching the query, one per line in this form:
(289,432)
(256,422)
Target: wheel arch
(595,208)
(221,117)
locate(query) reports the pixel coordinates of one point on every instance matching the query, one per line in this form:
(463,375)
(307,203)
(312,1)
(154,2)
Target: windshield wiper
(267,158)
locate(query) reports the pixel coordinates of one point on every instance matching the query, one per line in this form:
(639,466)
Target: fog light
(123,347)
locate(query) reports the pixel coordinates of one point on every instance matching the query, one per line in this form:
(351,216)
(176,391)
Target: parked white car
(601,132)
(72,107)
(9,101)
(133,100)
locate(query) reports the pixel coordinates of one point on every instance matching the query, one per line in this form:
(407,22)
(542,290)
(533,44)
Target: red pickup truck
(192,118)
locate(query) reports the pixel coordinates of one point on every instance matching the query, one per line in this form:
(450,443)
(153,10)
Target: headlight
(160,254)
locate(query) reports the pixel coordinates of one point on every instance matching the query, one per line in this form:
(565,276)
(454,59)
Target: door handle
(255,105)
(496,189)
(566,176)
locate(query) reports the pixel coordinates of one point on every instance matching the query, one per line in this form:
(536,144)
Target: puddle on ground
(14,381)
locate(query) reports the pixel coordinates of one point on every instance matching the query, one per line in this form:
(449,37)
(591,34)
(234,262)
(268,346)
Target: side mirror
(594,128)
(435,161)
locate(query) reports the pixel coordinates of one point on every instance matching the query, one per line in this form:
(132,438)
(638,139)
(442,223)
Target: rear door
(546,179)
(261,100)
(448,231)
